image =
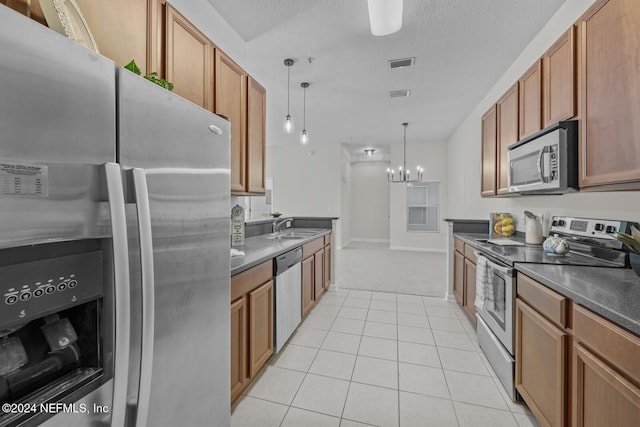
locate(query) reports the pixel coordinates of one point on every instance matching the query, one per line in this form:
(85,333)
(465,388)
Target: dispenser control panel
(33,289)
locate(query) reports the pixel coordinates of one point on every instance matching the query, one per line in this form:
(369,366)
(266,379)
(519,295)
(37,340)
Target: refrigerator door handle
(141,194)
(115,194)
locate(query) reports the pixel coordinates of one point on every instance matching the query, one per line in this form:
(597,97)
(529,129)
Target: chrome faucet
(278,223)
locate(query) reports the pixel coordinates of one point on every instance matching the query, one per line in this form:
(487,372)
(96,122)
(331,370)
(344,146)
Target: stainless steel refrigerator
(114,242)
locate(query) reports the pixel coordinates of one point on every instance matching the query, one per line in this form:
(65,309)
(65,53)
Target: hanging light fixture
(403,172)
(287,125)
(304,136)
(369,151)
(385,16)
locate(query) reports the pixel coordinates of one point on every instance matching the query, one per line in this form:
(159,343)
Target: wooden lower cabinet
(458,276)
(541,365)
(316,271)
(606,372)
(327,266)
(238,347)
(308,293)
(470,289)
(252,322)
(260,326)
(602,397)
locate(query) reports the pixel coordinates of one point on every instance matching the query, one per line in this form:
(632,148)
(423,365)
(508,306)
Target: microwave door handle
(544,178)
(115,197)
(141,194)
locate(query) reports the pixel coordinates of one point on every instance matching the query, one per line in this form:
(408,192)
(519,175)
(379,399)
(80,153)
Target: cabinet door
(238,347)
(327,266)
(601,396)
(188,59)
(458,276)
(318,271)
(507,109)
(560,79)
(470,289)
(541,377)
(489,140)
(256,118)
(260,326)
(231,98)
(308,291)
(531,100)
(610,100)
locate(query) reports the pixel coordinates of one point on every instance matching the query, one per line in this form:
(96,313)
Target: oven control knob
(599,227)
(561,222)
(610,229)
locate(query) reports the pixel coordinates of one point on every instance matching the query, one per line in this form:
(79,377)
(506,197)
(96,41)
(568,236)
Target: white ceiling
(461,47)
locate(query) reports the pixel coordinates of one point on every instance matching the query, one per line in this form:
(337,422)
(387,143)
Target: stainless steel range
(592,244)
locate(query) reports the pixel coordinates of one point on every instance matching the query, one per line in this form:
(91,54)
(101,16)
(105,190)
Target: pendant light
(403,172)
(287,125)
(304,136)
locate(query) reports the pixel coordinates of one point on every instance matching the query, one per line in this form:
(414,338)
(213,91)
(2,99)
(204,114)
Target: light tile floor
(383,359)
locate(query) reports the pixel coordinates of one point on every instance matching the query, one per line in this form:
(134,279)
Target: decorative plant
(153,77)
(632,240)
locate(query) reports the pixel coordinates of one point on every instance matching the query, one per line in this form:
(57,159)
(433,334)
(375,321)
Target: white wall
(464,154)
(306,180)
(345,198)
(369,201)
(433,158)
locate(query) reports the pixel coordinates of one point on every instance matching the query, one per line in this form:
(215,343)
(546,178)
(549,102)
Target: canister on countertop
(237,226)
(533,234)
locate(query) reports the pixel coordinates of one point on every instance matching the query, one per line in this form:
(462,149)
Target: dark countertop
(259,249)
(613,293)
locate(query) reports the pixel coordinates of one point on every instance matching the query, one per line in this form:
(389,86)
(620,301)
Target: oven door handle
(503,269)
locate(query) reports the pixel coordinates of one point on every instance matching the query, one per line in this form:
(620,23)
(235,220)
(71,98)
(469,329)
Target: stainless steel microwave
(545,162)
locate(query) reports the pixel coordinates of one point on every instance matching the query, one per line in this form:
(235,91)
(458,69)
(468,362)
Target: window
(423,206)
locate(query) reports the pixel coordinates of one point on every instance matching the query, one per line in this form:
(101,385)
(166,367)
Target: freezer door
(183,152)
(57,124)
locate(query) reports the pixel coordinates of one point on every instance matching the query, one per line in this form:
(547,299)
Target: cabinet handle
(215,129)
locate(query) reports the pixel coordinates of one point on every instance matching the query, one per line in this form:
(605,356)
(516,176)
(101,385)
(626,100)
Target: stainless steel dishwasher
(288,295)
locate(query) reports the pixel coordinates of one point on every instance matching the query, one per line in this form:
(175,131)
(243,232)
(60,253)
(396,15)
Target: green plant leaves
(152,77)
(629,240)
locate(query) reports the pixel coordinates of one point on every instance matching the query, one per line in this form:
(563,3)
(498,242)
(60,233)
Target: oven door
(497,312)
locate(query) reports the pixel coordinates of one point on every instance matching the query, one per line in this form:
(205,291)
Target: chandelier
(403,172)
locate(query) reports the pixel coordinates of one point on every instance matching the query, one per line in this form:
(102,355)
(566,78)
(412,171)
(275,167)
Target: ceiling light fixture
(369,151)
(287,126)
(385,16)
(304,136)
(402,170)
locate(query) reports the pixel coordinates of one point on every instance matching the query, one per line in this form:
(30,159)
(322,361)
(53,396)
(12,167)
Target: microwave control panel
(34,289)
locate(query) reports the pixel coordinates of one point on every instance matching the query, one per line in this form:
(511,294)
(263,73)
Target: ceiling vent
(401,63)
(399,93)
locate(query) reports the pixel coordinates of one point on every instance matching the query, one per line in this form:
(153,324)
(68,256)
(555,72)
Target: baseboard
(358,239)
(432,250)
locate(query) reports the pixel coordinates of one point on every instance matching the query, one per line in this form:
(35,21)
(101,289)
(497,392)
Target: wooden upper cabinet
(610,94)
(489,140)
(188,56)
(256,120)
(560,79)
(231,102)
(507,111)
(530,84)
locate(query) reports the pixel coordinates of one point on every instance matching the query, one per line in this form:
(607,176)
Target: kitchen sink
(291,234)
